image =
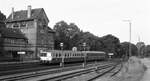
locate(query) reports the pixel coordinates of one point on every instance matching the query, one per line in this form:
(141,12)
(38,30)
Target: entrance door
(16,57)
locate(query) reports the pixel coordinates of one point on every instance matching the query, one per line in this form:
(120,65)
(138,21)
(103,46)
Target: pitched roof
(12,33)
(50,30)
(22,15)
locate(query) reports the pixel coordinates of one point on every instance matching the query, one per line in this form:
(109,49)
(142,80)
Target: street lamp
(129,21)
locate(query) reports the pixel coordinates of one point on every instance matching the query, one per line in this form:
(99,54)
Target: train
(59,56)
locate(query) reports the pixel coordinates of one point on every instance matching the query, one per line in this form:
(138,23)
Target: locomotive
(58,56)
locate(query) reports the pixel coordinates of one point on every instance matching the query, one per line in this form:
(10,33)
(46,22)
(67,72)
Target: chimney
(12,13)
(29,11)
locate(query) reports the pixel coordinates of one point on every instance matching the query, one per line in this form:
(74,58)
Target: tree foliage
(110,43)
(2,24)
(72,36)
(2,19)
(147,50)
(67,34)
(125,49)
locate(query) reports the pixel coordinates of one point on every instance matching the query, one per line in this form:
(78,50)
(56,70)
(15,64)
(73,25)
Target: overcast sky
(100,17)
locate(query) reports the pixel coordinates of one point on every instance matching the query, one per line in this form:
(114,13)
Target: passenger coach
(57,56)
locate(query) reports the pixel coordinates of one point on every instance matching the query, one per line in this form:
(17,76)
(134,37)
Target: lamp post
(62,62)
(129,21)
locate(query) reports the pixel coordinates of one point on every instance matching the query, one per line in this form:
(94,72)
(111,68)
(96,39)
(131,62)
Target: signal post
(62,60)
(84,45)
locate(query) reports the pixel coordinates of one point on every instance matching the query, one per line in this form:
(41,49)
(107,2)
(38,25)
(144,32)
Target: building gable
(42,15)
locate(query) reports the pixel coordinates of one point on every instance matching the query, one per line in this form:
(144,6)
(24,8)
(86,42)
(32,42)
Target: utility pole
(129,21)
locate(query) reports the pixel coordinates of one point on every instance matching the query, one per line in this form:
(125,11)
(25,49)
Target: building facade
(33,23)
(12,43)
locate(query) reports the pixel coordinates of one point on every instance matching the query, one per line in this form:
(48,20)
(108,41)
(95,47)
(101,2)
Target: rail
(36,74)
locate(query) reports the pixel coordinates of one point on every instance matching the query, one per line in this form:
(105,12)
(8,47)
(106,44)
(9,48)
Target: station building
(33,23)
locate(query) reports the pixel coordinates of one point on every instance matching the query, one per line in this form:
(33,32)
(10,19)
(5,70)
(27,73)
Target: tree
(68,34)
(60,36)
(110,44)
(125,49)
(2,24)
(2,19)
(147,50)
(89,39)
(72,36)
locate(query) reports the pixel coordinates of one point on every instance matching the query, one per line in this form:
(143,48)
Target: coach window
(56,54)
(70,55)
(65,55)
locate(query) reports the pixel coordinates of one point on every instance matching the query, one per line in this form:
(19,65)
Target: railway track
(86,73)
(22,68)
(67,76)
(58,74)
(6,67)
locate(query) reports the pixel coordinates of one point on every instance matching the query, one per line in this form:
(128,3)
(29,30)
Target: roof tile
(22,15)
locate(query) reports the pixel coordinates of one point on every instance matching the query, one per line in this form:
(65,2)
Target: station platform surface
(19,62)
(146,76)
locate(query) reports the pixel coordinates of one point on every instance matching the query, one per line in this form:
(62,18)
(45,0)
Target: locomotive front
(45,57)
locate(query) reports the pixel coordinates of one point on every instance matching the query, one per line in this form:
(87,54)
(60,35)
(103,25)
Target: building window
(16,25)
(44,25)
(12,41)
(41,31)
(42,42)
(22,24)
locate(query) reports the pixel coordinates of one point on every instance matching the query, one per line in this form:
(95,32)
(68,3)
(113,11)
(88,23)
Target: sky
(100,17)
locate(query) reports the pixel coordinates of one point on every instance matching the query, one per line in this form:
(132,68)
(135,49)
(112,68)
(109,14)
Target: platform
(19,62)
